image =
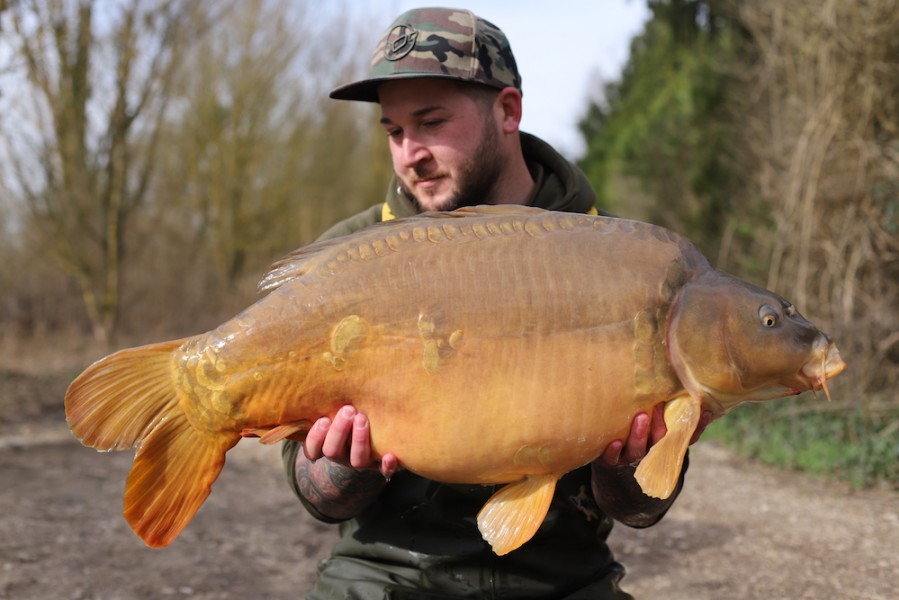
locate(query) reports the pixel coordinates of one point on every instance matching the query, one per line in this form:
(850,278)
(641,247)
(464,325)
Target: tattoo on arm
(337,490)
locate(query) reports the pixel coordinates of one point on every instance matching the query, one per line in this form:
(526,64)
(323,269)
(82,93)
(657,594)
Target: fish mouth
(826,363)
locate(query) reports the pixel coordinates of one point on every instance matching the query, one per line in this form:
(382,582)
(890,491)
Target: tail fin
(128,400)
(173,473)
(117,401)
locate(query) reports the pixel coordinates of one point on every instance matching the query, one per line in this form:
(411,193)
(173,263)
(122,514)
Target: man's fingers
(612,454)
(346,438)
(389,466)
(334,446)
(704,420)
(637,440)
(360,444)
(312,445)
(659,429)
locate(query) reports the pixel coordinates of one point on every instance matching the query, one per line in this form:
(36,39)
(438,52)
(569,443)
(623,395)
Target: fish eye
(768,316)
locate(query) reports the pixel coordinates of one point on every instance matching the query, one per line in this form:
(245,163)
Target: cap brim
(363,91)
(367,89)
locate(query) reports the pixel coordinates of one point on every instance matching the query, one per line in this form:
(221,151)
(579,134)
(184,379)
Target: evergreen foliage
(664,124)
(769,135)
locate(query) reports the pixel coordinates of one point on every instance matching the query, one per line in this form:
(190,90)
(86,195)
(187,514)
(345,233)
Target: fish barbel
(559,326)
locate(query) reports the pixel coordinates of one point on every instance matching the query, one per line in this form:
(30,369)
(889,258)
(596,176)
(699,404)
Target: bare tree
(163,153)
(821,118)
(83,132)
(260,158)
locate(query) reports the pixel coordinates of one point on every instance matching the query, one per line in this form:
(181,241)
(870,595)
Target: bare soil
(739,530)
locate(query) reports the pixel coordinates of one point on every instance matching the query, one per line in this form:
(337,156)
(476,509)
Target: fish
(487,345)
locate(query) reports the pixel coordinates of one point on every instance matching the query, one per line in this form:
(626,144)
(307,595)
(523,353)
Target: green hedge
(857,444)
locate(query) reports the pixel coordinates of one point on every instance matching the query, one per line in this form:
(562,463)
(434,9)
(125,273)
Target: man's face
(444,142)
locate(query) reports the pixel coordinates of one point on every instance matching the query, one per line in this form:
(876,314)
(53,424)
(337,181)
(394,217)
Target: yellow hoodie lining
(387,214)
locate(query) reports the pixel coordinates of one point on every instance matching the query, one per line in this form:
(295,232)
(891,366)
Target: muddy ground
(738,531)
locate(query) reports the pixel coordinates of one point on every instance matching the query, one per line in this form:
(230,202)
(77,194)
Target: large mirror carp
(560,327)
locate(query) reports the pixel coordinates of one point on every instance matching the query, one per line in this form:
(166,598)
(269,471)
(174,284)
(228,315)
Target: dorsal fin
(296,264)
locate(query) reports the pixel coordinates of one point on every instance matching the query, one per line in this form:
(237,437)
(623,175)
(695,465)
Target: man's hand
(347,439)
(646,430)
(336,474)
(615,490)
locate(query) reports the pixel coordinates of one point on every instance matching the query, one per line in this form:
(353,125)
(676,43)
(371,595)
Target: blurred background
(157,156)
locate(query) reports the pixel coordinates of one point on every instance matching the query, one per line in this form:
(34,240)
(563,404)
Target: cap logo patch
(400,42)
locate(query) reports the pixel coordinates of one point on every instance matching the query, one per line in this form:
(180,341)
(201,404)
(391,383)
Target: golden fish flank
(419,325)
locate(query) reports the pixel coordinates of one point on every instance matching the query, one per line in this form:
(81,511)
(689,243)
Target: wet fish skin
(438,327)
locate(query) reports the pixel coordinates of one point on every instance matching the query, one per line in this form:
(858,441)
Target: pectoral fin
(514,513)
(659,472)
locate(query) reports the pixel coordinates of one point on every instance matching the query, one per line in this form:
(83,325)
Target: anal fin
(295,431)
(659,472)
(514,513)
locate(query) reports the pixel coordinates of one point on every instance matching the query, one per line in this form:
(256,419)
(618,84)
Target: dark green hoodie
(559,186)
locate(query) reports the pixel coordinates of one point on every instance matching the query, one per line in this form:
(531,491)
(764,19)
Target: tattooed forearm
(336,489)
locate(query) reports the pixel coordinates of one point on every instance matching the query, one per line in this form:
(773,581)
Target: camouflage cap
(437,42)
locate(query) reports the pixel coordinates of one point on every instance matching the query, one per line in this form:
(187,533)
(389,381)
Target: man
(451,102)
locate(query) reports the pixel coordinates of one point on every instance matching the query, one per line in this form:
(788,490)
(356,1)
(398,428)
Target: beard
(477,175)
